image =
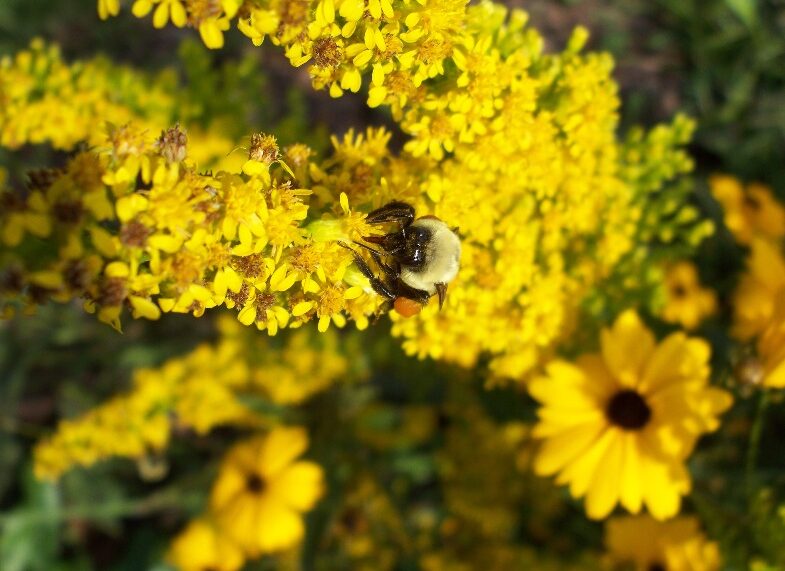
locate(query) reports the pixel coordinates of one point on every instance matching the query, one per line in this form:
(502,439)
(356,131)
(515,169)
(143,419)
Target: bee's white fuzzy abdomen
(442,257)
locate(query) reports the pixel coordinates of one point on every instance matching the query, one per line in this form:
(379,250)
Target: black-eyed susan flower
(202,547)
(767,366)
(686,302)
(650,545)
(262,491)
(617,426)
(748,211)
(761,285)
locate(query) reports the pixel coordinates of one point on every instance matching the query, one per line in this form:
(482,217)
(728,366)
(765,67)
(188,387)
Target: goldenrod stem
(753,446)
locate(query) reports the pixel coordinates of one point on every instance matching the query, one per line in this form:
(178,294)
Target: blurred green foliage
(720,61)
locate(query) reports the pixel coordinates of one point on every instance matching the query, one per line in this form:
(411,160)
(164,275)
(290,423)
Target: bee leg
(378,285)
(377,257)
(418,295)
(395,211)
(385,308)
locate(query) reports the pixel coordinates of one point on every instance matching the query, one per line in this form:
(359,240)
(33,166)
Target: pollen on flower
(251,266)
(134,234)
(264,148)
(331,301)
(326,53)
(172,144)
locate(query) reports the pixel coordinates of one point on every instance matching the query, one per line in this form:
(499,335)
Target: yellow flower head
(201,546)
(675,545)
(261,491)
(686,302)
(617,426)
(749,212)
(759,289)
(768,367)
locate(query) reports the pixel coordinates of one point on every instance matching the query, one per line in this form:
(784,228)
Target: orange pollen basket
(406,307)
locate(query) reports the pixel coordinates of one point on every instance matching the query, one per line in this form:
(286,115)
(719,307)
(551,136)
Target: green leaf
(30,542)
(745,10)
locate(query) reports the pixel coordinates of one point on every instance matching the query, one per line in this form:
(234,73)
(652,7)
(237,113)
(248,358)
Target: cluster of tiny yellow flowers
(134,225)
(197,392)
(675,545)
(515,148)
(45,100)
(757,220)
(256,504)
(194,392)
(618,426)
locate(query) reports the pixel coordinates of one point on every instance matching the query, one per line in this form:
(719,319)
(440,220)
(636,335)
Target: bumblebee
(416,261)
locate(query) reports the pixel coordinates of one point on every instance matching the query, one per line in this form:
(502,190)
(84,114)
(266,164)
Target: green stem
(166,499)
(753,446)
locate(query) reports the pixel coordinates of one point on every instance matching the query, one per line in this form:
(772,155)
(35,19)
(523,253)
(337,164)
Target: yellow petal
(280,448)
(626,347)
(299,485)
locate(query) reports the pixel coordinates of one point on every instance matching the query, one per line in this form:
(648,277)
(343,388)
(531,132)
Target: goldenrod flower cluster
(45,100)
(135,225)
(515,148)
(207,388)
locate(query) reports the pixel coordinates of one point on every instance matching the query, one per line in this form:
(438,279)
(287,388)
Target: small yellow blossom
(262,491)
(748,211)
(686,302)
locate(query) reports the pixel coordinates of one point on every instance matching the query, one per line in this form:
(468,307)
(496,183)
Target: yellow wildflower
(759,289)
(196,390)
(201,546)
(675,545)
(748,212)
(686,302)
(262,491)
(767,368)
(617,427)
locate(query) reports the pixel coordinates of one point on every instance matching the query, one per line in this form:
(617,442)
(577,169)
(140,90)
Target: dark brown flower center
(656,567)
(628,410)
(255,484)
(751,202)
